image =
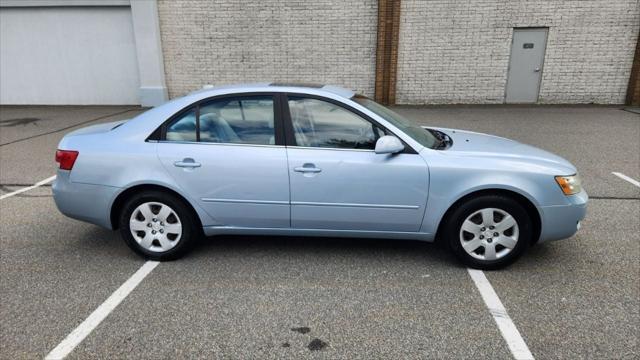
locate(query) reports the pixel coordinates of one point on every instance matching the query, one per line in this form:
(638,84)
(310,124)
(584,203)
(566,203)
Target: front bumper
(86,202)
(563,221)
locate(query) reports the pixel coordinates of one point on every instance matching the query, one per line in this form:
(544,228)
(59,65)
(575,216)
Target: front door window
(318,123)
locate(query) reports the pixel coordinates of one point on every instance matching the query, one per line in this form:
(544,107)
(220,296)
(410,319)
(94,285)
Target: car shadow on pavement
(97,241)
(358,249)
(108,243)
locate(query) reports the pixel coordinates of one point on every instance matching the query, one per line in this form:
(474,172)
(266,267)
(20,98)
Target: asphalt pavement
(276,297)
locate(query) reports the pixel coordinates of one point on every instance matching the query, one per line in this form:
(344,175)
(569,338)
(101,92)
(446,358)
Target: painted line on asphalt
(39,183)
(626,178)
(86,327)
(510,333)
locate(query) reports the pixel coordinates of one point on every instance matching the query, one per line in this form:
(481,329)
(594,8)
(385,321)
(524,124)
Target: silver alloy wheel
(489,234)
(155,226)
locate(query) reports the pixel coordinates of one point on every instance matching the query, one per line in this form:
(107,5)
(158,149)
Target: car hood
(473,144)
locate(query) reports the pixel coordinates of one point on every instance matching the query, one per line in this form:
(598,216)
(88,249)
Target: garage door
(67,55)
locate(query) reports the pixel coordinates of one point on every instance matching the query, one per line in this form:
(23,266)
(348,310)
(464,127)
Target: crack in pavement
(69,127)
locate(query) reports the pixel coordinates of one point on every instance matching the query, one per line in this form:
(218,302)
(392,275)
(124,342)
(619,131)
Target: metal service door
(525,67)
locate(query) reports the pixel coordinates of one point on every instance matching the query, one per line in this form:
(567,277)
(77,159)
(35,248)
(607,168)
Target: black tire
(452,230)
(189,232)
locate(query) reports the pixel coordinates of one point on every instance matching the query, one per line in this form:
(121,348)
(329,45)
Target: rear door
(337,180)
(227,154)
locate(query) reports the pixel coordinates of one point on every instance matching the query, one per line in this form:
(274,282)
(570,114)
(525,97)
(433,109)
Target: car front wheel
(489,232)
(157,226)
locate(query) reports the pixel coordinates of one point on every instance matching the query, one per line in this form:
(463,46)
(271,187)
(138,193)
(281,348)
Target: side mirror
(388,145)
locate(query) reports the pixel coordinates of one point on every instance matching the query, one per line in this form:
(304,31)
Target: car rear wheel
(489,232)
(157,226)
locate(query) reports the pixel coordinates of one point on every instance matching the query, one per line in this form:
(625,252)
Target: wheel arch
(122,197)
(528,205)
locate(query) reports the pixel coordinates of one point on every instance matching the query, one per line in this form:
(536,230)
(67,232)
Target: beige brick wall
(231,41)
(458,51)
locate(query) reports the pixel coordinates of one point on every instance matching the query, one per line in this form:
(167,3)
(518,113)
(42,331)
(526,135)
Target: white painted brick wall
(232,41)
(458,51)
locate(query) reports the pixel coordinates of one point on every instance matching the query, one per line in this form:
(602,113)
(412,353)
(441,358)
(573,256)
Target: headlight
(570,185)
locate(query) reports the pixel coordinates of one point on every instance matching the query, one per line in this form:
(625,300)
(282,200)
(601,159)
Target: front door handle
(307,168)
(187,163)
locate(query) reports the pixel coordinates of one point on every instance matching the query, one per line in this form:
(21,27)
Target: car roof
(279,87)
(149,121)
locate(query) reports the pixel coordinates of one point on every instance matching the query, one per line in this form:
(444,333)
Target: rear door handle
(307,168)
(187,163)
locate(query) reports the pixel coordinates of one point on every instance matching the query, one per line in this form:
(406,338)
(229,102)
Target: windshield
(424,137)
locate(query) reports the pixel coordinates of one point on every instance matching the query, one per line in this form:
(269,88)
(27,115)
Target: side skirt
(231,230)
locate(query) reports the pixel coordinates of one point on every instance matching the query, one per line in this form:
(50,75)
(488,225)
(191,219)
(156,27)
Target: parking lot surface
(274,297)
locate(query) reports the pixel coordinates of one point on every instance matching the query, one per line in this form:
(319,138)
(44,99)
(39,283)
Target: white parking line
(510,333)
(39,183)
(626,178)
(86,327)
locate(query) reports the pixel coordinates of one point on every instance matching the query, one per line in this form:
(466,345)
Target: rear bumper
(85,202)
(561,222)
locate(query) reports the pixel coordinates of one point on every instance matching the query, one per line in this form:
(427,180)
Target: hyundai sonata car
(312,160)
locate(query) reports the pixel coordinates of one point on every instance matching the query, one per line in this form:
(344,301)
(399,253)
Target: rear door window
(242,120)
(233,120)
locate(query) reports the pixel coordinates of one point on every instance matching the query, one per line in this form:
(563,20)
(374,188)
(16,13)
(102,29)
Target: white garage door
(67,55)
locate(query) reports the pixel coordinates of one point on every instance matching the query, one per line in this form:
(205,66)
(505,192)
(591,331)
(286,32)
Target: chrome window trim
(328,148)
(214,143)
(260,145)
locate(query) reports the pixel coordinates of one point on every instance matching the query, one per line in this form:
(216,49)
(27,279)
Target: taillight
(66,158)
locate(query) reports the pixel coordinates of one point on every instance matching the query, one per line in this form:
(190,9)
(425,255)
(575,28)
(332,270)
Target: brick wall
(458,51)
(231,41)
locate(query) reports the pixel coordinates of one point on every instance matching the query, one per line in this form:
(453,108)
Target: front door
(224,154)
(337,180)
(525,67)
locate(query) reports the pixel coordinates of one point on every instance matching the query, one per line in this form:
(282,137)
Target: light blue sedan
(312,160)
